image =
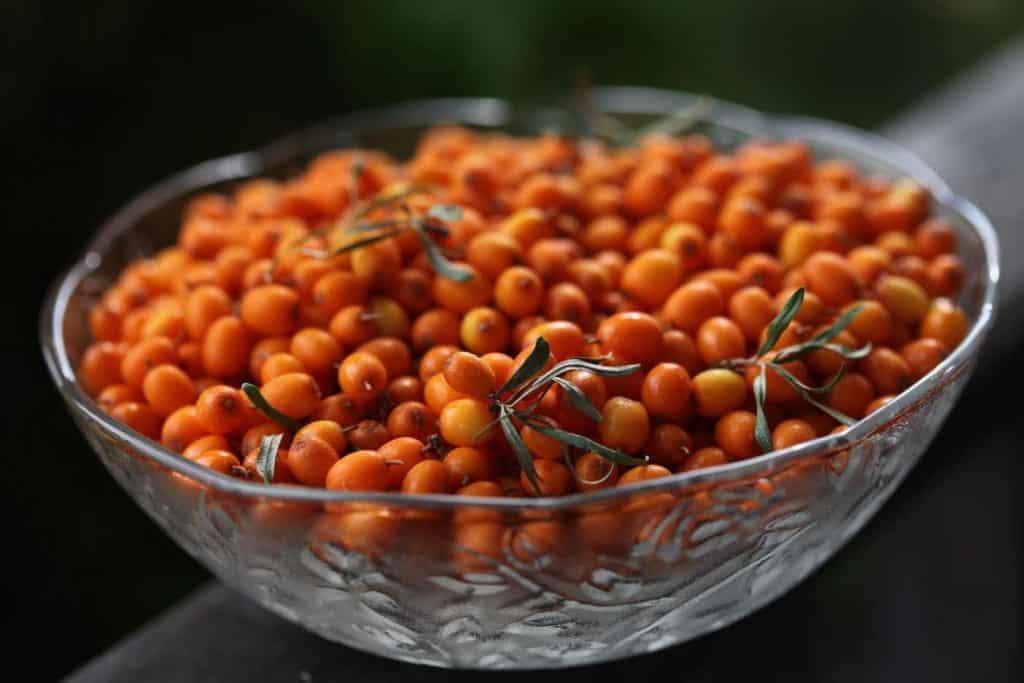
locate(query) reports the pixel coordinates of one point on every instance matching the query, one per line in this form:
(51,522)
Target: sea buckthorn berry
(139,416)
(606,232)
(933,238)
(922,355)
(468,465)
(723,251)
(719,339)
(878,403)
(519,292)
(593,472)
(492,253)
(413,419)
(541,445)
(946,275)
(501,365)
(463,296)
(688,242)
(279,364)
(226,347)
(390,317)
(904,298)
(697,205)
(625,424)
(295,394)
(791,432)
(669,445)
(202,307)
(427,476)
(914,268)
(778,390)
(651,276)
(646,235)
(467,422)
(434,360)
(565,338)
(359,471)
(282,472)
(116,394)
(851,395)
(553,477)
(413,290)
(642,473)
(799,241)
(666,392)
(526,226)
(888,371)
(393,353)
(104,324)
(379,263)
(400,455)
(336,290)
(436,327)
(705,457)
(190,359)
(310,458)
(693,303)
(485,330)
(650,187)
(593,278)
(679,348)
(213,442)
(167,388)
(264,349)
(752,308)
(353,325)
(718,391)
(551,258)
(868,262)
(341,408)
(362,374)
(270,309)
(329,431)
(567,301)
(633,337)
(761,270)
(468,374)
(181,428)
(734,433)
(101,366)
(223,462)
(811,310)
(144,356)
(872,324)
(222,410)
(743,221)
(164,322)
(831,278)
(404,388)
(945,322)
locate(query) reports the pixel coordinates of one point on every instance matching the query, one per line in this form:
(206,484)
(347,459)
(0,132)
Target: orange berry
(203,306)
(101,366)
(492,253)
(679,348)
(693,303)
(593,472)
(279,364)
(270,309)
(688,242)
(752,309)
(719,339)
(466,422)
(519,292)
(393,353)
(412,419)
(705,457)
(632,337)
(922,355)
(463,296)
(310,458)
(222,410)
(295,394)
(139,416)
(226,347)
(669,445)
(433,361)
(888,371)
(873,324)
(642,473)
(831,278)
(564,338)
(790,433)
(167,388)
(181,428)
(851,395)
(362,374)
(625,424)
(553,477)
(945,322)
(436,327)
(468,374)
(485,330)
(734,433)
(213,442)
(331,432)
(666,392)
(567,301)
(359,471)
(145,355)
(400,455)
(906,300)
(718,391)
(427,476)
(467,465)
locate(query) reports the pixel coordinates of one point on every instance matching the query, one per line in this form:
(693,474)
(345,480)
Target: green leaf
(840,324)
(798,351)
(373,225)
(365,242)
(580,441)
(262,405)
(578,399)
(801,387)
(382,200)
(832,412)
(762,432)
(446,213)
(523,454)
(266,459)
(533,364)
(439,263)
(777,326)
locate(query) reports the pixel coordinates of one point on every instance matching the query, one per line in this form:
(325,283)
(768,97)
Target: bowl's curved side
(509,583)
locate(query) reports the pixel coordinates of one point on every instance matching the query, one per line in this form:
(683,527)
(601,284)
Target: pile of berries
(377,312)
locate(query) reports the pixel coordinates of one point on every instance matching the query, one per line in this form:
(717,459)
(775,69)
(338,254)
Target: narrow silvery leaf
(533,364)
(777,326)
(253,393)
(266,459)
(762,432)
(578,399)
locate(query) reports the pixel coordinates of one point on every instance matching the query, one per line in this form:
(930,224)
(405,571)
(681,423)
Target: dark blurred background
(99,100)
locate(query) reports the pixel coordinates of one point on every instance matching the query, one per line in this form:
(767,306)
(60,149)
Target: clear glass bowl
(520,583)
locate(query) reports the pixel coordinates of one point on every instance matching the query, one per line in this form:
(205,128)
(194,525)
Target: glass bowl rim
(492,112)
